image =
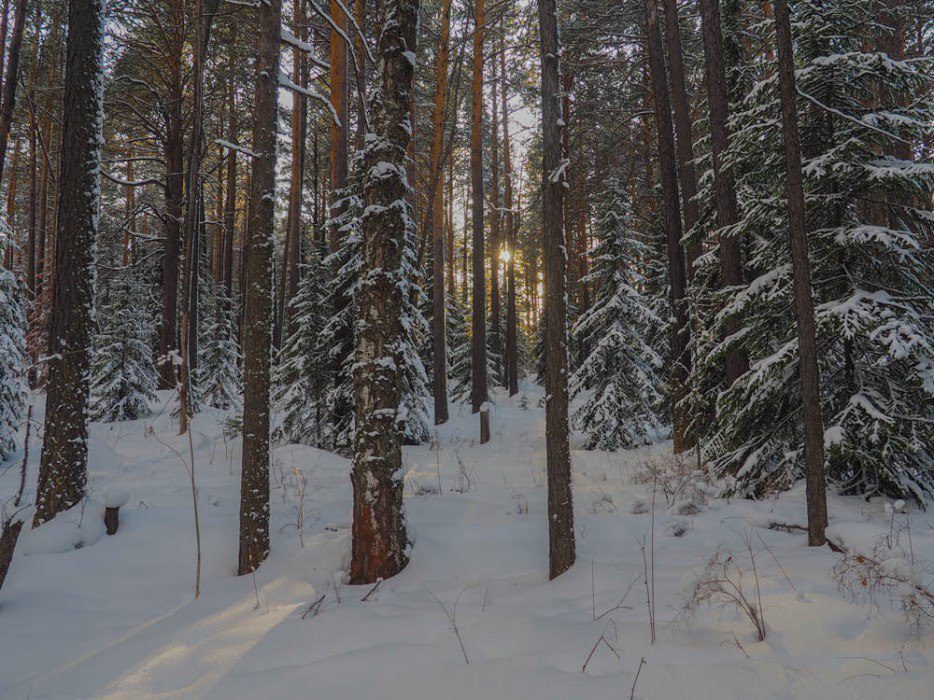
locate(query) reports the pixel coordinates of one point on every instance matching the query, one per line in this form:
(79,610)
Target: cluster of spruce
(864,122)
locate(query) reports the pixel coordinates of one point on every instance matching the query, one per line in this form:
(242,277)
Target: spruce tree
(866,202)
(622,370)
(218,380)
(123,377)
(12,361)
(299,382)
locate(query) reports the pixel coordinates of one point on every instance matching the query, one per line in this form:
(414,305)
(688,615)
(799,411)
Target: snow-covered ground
(87,615)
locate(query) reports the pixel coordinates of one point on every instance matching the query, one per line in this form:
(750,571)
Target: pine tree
(865,211)
(12,361)
(124,378)
(299,382)
(622,370)
(219,382)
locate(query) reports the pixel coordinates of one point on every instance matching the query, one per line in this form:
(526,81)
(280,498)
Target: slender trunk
(804,305)
(380,542)
(130,196)
(63,464)
(360,72)
(230,206)
(731,265)
(561,547)
(478,388)
(496,337)
(683,129)
(31,210)
(439,305)
(338,127)
(512,322)
(174,191)
(12,77)
(680,359)
(257,320)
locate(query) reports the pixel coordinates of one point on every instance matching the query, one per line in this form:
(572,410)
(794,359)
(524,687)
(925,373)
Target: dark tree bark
(561,547)
(496,337)
(12,78)
(380,541)
(257,319)
(439,306)
(683,129)
(478,387)
(512,322)
(731,265)
(64,461)
(680,358)
(204,17)
(230,206)
(174,193)
(804,305)
(338,129)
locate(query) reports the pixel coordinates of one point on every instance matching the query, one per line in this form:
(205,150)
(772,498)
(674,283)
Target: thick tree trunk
(512,322)
(439,306)
(804,305)
(561,547)
(683,129)
(380,541)
(478,388)
(731,266)
(338,128)
(12,78)
(63,464)
(257,319)
(680,358)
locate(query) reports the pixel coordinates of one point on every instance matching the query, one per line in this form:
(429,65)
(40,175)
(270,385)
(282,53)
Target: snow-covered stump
(485,423)
(113,502)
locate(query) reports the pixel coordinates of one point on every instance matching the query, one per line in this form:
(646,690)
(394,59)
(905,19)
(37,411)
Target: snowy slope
(116,617)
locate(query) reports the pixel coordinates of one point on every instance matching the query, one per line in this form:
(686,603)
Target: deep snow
(87,615)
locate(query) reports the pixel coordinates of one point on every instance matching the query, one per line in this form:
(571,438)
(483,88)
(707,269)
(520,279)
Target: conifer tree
(622,370)
(869,262)
(124,377)
(219,382)
(299,383)
(12,361)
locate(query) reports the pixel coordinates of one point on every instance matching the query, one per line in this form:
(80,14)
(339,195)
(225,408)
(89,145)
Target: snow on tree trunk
(561,547)
(257,318)
(63,464)
(380,542)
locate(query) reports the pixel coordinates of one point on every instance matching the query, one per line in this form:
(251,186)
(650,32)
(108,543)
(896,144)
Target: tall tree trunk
(478,387)
(12,77)
(680,359)
(338,127)
(292,255)
(731,265)
(496,337)
(439,306)
(230,206)
(380,541)
(204,11)
(64,460)
(561,547)
(683,129)
(512,322)
(804,305)
(360,70)
(174,192)
(257,319)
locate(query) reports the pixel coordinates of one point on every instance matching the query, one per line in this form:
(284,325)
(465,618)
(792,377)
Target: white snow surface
(83,615)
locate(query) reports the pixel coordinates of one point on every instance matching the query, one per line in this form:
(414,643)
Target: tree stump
(113,501)
(485,423)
